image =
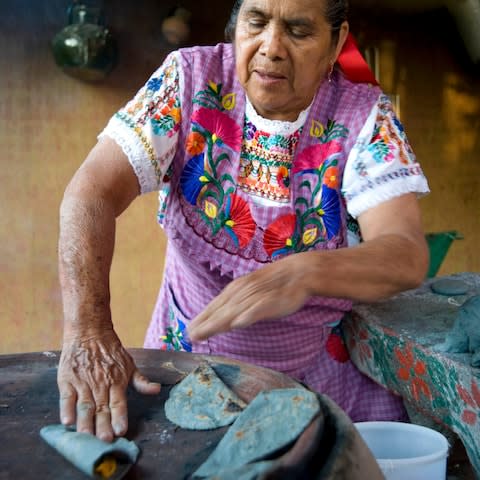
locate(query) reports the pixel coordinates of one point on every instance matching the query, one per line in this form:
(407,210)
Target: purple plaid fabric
(199,265)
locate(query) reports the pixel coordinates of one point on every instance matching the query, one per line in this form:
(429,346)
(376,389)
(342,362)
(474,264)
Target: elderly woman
(270,162)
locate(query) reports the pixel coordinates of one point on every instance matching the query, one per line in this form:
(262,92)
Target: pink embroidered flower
(221,127)
(278,236)
(312,158)
(239,224)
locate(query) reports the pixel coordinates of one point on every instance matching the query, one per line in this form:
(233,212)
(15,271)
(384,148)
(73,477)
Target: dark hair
(336,13)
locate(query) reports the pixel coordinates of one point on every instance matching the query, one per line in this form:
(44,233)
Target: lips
(271,75)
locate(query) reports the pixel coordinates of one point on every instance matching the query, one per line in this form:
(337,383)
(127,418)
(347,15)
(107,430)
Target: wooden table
(29,401)
(395,342)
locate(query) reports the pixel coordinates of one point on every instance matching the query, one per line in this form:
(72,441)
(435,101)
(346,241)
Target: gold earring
(330,72)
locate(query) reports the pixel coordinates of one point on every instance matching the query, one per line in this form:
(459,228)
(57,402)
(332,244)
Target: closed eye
(256,24)
(298,32)
(299,28)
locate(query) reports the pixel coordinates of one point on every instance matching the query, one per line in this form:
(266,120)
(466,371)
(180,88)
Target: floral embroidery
(239,223)
(279,236)
(265,169)
(158,102)
(389,139)
(336,347)
(175,338)
(212,99)
(472,401)
(265,163)
(193,178)
(229,101)
(220,128)
(312,158)
(412,369)
(317,129)
(154,84)
(201,185)
(318,216)
(195,143)
(384,157)
(156,105)
(167,122)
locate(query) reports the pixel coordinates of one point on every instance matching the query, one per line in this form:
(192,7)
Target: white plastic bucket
(406,451)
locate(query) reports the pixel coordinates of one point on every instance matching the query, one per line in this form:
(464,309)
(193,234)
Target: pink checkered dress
(218,232)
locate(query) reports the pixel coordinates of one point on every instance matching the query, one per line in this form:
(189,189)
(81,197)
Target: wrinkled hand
(93,376)
(271,292)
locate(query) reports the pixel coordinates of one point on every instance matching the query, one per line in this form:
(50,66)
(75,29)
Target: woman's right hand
(93,376)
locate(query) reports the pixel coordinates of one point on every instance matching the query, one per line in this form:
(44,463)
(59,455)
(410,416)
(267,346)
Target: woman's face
(284,50)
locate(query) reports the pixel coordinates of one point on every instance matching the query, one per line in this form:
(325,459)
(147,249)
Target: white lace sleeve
(381,165)
(147,127)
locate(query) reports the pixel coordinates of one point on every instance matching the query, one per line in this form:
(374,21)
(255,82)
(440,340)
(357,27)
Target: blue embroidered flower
(192,179)
(329,211)
(154,84)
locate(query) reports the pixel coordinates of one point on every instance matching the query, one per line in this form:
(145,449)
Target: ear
(342,36)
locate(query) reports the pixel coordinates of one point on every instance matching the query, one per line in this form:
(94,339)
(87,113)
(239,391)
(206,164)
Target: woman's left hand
(273,291)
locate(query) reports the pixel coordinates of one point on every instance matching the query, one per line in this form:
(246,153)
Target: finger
(216,318)
(212,322)
(85,410)
(68,399)
(118,410)
(143,385)
(208,328)
(103,424)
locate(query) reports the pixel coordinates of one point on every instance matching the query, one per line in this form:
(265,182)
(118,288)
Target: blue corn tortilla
(86,451)
(201,401)
(272,421)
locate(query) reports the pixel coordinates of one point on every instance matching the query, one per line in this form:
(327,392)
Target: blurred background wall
(49,121)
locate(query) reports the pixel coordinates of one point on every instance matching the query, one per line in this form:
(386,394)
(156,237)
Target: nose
(273,43)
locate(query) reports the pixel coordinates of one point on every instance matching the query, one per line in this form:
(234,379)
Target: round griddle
(29,401)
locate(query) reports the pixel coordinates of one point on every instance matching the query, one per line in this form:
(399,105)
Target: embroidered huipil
(238,191)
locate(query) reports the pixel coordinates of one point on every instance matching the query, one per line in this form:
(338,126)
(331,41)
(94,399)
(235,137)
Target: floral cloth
(238,191)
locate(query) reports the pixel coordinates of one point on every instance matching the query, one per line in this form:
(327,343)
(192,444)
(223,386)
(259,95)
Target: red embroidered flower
(221,127)
(278,235)
(239,224)
(411,370)
(312,158)
(336,347)
(472,400)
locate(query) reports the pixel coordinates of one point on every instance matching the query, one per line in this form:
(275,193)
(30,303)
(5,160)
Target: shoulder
(356,95)
(222,52)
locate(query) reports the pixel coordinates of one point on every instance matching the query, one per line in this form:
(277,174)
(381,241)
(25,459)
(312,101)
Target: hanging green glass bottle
(85,48)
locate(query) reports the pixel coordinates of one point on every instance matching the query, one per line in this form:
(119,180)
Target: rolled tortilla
(95,458)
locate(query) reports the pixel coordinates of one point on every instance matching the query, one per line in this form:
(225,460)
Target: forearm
(371,271)
(87,232)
